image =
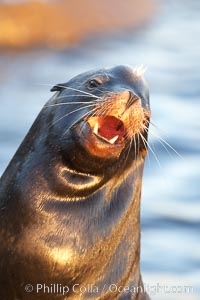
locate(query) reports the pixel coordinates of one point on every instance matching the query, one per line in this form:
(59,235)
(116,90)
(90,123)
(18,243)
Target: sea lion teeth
(113,140)
(96,128)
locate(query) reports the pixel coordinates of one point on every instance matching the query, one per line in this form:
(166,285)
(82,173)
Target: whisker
(150,132)
(85,115)
(145,145)
(129,149)
(156,127)
(108,101)
(76,95)
(137,145)
(69,103)
(154,154)
(71,112)
(70,88)
(162,141)
(73,89)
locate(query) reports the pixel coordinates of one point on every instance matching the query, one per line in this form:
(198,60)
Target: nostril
(132,98)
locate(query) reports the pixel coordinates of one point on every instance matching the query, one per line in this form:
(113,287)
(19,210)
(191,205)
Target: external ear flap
(58,87)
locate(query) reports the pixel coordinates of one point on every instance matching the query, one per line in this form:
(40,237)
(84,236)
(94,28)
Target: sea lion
(70,197)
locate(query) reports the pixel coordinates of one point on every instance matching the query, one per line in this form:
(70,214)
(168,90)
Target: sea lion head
(105,113)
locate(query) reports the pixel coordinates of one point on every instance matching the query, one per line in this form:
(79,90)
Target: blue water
(170,48)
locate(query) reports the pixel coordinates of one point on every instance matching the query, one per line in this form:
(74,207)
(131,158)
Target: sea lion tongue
(110,127)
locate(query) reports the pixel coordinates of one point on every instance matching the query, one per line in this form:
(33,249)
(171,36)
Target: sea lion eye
(94,83)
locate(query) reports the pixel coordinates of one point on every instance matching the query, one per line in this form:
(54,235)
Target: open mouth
(107,128)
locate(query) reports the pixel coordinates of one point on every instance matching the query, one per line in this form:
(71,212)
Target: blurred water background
(170,47)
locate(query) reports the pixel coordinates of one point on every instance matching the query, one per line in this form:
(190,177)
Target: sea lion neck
(83,176)
(108,222)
